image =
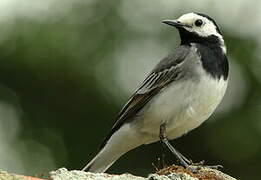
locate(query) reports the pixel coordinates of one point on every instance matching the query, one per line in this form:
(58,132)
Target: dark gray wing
(167,71)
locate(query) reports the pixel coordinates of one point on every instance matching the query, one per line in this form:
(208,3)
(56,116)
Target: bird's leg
(163,138)
(182,159)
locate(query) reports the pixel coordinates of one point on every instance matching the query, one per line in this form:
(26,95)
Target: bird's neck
(214,60)
(212,51)
(211,41)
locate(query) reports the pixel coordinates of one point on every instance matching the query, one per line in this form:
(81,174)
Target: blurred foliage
(48,69)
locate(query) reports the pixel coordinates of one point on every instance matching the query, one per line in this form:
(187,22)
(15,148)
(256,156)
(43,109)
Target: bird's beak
(174,23)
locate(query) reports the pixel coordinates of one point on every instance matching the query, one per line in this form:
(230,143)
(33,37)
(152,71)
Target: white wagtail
(179,94)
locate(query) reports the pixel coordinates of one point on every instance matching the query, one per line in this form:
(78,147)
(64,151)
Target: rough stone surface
(64,174)
(169,173)
(198,173)
(6,176)
(171,176)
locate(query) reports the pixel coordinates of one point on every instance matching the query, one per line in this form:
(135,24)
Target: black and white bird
(179,94)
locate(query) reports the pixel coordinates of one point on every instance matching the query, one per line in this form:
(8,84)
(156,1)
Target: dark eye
(198,22)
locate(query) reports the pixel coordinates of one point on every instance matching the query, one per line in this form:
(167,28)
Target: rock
(169,173)
(6,176)
(64,174)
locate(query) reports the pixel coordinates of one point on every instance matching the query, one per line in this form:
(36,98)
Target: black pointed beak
(174,23)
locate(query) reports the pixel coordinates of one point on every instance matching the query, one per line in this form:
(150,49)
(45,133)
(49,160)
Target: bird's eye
(198,22)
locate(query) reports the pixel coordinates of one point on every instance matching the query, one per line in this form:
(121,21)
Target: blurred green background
(67,67)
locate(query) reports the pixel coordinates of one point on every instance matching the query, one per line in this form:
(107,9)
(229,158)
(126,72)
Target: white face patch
(208,28)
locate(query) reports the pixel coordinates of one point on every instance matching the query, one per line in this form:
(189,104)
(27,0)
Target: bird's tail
(119,143)
(102,161)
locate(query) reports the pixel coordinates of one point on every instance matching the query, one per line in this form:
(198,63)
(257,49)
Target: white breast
(183,106)
(202,102)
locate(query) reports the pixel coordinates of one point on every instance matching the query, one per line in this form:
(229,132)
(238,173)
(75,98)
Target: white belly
(183,107)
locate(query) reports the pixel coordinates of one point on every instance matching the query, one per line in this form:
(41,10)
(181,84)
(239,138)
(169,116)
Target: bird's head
(197,28)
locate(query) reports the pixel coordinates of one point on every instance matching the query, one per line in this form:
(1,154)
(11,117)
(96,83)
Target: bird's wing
(168,70)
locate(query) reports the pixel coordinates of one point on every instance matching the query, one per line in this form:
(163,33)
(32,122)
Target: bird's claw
(195,167)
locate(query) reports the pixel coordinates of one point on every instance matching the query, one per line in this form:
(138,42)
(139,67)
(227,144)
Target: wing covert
(168,70)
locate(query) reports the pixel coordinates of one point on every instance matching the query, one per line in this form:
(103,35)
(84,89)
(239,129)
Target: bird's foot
(200,163)
(214,166)
(195,167)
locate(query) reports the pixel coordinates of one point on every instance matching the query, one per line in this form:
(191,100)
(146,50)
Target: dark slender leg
(182,159)
(162,135)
